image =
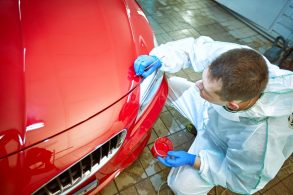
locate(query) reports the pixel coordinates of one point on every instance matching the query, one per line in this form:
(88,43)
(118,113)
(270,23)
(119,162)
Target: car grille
(86,167)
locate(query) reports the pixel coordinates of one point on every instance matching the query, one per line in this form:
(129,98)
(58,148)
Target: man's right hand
(145,65)
(178,158)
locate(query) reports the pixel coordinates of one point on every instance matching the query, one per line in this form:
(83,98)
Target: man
(240,109)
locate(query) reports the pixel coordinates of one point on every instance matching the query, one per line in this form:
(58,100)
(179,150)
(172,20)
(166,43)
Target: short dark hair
(243,72)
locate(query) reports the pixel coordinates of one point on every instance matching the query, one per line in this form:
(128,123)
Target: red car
(73,113)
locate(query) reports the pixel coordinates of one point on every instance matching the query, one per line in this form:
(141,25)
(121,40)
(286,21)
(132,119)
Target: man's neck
(243,105)
(248,104)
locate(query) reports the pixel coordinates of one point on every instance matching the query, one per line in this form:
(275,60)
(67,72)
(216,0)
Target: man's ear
(233,105)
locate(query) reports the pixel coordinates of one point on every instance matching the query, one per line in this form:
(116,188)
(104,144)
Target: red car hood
(74,61)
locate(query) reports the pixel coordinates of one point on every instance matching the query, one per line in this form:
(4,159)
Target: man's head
(238,75)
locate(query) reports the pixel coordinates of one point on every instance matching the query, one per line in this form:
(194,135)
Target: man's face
(208,88)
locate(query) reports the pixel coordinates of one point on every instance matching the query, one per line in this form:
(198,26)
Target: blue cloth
(145,65)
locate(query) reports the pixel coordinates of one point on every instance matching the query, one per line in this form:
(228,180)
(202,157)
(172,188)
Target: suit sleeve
(189,52)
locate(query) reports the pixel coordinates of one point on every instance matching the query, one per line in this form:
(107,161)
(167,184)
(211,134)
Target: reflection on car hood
(78,61)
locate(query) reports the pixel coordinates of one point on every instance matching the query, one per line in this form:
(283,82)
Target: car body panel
(68,65)
(12,99)
(53,69)
(47,159)
(55,45)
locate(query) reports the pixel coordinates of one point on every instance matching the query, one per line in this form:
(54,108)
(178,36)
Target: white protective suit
(241,151)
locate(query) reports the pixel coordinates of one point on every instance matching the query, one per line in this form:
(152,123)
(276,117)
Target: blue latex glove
(145,65)
(177,159)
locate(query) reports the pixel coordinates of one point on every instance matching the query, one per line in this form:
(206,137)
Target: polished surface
(68,86)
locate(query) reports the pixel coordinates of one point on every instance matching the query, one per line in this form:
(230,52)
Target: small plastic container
(161,147)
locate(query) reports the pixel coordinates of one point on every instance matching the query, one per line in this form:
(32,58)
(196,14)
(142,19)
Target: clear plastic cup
(161,147)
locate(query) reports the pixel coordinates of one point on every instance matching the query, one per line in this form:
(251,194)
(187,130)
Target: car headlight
(148,88)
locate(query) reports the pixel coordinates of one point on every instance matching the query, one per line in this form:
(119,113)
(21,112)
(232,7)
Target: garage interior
(173,20)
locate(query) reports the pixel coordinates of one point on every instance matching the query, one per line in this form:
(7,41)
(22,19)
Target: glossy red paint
(68,65)
(12,98)
(63,36)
